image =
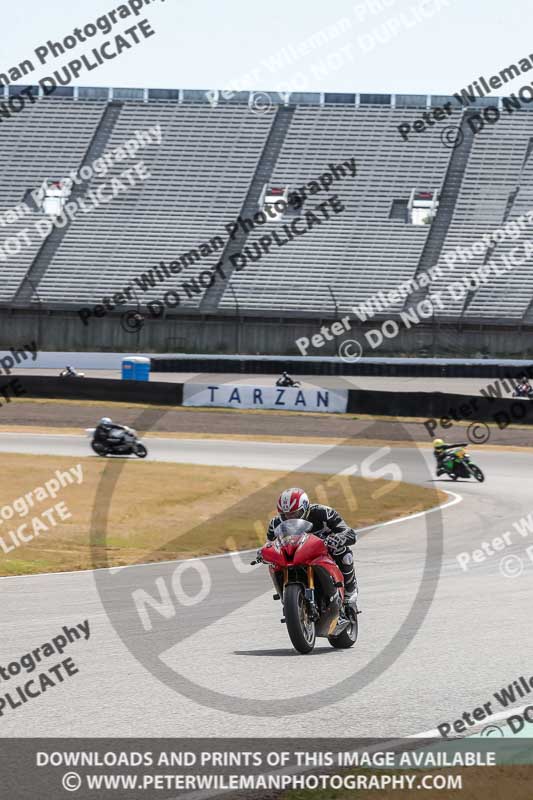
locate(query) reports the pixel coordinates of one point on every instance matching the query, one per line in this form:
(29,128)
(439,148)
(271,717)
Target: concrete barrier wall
(407,367)
(440,410)
(57,331)
(159,393)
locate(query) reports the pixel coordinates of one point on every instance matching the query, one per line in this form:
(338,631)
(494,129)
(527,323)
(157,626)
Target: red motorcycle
(311,587)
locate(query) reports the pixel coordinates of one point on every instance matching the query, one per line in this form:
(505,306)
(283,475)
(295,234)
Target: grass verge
(161,511)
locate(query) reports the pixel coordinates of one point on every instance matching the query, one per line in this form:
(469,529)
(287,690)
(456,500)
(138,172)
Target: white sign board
(231,395)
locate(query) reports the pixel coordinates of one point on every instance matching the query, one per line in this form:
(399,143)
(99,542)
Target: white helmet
(293,504)
(105,421)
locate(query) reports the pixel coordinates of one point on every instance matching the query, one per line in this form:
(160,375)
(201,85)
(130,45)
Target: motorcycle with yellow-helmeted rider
(454,461)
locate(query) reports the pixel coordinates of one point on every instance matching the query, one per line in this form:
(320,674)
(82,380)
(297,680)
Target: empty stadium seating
(211,166)
(362,250)
(47,140)
(200,176)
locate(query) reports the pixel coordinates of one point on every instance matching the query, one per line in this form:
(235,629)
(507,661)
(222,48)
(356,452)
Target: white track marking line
(456,499)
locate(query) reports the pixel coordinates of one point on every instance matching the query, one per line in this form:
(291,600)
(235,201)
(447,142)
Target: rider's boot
(351,593)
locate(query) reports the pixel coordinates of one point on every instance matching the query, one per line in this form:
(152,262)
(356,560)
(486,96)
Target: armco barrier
(389,367)
(158,392)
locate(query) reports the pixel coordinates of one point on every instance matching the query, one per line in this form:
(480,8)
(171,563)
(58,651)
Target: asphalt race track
(412,669)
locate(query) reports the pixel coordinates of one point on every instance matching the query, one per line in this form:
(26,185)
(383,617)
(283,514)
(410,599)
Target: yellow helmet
(438,443)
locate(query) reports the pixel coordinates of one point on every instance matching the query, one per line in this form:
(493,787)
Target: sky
(402,46)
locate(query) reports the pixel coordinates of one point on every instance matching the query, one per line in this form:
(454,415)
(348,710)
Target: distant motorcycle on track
(285,380)
(70,372)
(125,443)
(458,464)
(310,586)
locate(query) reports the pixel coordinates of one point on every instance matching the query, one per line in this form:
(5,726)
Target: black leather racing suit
(102,432)
(326,520)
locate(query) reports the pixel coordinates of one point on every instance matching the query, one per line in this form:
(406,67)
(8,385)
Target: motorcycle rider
(327,525)
(106,428)
(440,451)
(286,380)
(523,388)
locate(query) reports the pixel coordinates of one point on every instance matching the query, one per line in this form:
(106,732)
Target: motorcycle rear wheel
(476,472)
(347,638)
(140,450)
(301,629)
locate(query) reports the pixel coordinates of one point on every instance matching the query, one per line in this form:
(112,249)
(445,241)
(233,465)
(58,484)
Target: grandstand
(214,161)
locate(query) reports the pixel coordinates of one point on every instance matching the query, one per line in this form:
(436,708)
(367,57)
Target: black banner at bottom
(264,769)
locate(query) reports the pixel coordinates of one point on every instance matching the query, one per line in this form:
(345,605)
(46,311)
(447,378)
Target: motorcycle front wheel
(299,625)
(98,449)
(140,450)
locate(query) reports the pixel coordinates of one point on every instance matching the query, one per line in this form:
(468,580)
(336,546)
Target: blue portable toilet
(135,368)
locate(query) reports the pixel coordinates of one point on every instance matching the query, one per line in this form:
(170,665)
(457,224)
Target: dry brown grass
(160,511)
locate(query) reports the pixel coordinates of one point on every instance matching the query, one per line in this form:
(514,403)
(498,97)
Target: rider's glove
(259,556)
(336,542)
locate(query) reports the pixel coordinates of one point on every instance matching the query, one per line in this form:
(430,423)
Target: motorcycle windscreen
(291,529)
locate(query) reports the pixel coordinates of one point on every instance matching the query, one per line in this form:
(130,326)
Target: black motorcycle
(523,391)
(286,381)
(122,443)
